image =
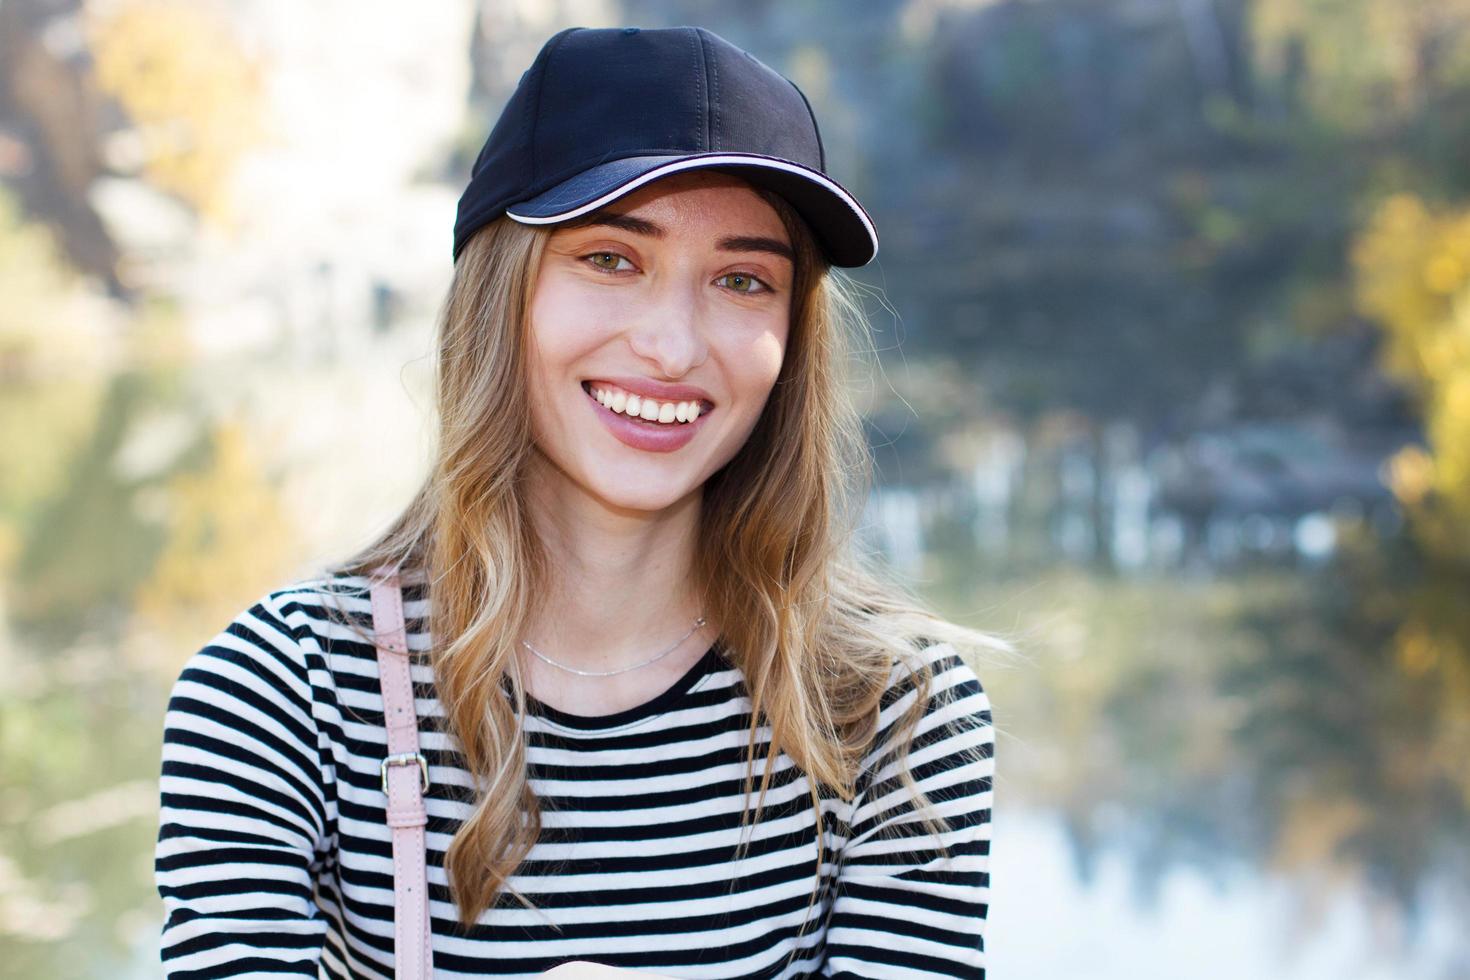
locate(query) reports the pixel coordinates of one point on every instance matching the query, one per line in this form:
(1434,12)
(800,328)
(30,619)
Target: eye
(741,282)
(608,261)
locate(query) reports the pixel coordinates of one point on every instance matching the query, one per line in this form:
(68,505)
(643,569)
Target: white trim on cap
(710,160)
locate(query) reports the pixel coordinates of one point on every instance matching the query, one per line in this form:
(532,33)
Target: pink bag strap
(405,780)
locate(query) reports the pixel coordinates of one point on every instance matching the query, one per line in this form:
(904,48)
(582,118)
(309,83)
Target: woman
(669,723)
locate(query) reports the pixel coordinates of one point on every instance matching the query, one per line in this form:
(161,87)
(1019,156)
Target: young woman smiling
(659,718)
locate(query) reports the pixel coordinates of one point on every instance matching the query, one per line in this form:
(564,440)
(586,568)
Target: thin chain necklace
(608,673)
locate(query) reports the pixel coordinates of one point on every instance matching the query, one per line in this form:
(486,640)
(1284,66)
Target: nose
(669,333)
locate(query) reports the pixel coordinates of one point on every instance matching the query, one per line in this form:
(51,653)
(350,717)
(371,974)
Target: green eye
(741,283)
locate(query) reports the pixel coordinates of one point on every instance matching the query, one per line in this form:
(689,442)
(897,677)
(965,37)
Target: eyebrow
(730,243)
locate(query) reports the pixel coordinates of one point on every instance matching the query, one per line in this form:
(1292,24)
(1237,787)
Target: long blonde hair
(814,629)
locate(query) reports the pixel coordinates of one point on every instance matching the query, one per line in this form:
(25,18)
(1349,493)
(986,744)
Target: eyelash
(765,286)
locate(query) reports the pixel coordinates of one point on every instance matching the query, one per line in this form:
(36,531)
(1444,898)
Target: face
(669,304)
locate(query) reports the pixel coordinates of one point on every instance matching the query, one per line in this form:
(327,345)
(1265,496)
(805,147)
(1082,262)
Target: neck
(620,589)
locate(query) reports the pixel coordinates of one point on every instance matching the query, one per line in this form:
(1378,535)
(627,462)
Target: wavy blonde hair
(815,631)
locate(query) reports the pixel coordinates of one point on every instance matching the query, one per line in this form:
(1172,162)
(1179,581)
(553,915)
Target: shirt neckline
(659,704)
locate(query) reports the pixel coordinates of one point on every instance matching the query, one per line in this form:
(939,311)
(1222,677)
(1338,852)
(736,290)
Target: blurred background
(1172,321)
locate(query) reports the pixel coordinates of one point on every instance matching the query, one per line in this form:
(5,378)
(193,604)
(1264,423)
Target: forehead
(698,202)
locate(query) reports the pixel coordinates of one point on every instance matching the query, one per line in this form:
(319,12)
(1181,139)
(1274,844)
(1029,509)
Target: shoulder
(954,713)
(950,677)
(333,613)
(276,646)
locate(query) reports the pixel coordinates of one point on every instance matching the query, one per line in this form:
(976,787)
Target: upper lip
(658,390)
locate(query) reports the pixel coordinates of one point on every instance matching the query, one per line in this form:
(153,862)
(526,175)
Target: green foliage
(79,749)
(1363,65)
(1296,722)
(52,371)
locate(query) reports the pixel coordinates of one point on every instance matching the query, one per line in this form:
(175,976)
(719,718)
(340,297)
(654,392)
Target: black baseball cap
(601,112)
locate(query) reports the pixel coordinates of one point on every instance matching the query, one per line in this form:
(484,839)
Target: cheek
(561,325)
(753,365)
(762,362)
(554,340)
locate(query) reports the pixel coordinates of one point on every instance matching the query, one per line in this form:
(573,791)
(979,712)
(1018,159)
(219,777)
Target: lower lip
(649,436)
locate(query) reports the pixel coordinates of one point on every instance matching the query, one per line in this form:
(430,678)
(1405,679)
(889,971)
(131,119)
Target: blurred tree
(227,539)
(54,359)
(1413,268)
(1315,724)
(1364,66)
(50,106)
(195,97)
(87,545)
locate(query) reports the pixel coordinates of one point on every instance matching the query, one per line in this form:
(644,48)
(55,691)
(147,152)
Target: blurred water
(1175,795)
(1239,923)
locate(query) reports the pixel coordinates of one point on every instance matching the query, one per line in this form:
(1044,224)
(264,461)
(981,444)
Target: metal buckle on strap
(406,759)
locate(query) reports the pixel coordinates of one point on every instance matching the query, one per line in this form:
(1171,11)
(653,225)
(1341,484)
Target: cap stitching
(700,77)
(712,71)
(821,150)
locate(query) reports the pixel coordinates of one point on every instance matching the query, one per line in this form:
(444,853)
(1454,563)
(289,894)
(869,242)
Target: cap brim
(843,228)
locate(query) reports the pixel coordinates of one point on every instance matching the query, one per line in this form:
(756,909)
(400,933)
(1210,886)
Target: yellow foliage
(180,74)
(1411,474)
(1444,273)
(228,540)
(1413,276)
(1359,61)
(1415,649)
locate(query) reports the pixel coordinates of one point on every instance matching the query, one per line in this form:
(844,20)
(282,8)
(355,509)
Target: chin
(645,502)
(653,483)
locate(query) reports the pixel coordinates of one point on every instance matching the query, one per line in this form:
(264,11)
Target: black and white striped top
(273,856)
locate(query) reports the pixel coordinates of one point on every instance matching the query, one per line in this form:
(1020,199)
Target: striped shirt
(274,857)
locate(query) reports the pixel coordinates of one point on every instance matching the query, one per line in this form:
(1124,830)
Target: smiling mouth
(649,411)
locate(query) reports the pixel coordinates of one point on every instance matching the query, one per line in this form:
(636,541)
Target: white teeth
(667,413)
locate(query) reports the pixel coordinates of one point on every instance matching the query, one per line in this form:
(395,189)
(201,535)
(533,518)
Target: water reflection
(1261,728)
(1292,724)
(79,736)
(1230,923)
(1288,691)
(1211,502)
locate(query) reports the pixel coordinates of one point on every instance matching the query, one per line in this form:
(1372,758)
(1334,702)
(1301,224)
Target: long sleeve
(243,807)
(902,909)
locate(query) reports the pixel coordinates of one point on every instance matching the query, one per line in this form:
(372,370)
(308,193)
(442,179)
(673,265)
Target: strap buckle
(406,759)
